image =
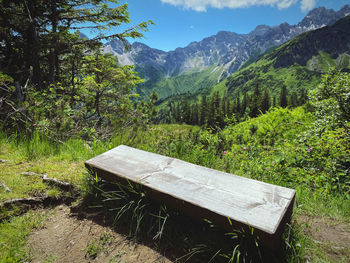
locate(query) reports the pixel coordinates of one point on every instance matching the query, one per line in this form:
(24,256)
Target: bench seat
(201,192)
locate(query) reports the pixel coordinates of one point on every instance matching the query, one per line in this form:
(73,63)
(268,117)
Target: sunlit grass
(266,148)
(14,235)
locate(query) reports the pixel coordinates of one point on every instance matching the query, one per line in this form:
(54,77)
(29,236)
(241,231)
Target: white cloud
(286,3)
(202,5)
(307,5)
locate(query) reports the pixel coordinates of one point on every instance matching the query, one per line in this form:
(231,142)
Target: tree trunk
(53,56)
(33,46)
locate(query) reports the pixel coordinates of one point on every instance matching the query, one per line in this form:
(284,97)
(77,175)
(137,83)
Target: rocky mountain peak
(322,16)
(260,30)
(228,51)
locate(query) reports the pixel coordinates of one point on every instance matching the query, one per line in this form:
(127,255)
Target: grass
(98,245)
(14,234)
(274,153)
(129,206)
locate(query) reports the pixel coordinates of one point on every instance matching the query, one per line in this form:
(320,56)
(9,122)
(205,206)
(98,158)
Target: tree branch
(5,186)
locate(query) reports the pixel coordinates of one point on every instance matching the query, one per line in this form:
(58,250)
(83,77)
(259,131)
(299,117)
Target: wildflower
(224,152)
(310,149)
(244,148)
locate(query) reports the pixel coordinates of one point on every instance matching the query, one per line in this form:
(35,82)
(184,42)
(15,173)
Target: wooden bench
(200,192)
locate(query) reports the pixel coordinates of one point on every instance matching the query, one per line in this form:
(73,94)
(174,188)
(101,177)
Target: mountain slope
(228,50)
(298,63)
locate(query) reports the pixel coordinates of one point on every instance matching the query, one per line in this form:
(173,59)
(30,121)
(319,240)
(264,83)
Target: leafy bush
(328,140)
(331,100)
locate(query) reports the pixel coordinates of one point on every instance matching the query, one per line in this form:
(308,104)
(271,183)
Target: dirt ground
(333,236)
(64,238)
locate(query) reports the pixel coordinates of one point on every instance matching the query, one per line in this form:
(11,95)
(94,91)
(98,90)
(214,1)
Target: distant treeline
(216,111)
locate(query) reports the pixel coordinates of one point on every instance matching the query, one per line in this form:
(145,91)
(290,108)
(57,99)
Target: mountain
(226,52)
(297,64)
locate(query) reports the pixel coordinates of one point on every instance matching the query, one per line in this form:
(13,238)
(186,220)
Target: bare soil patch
(333,236)
(65,238)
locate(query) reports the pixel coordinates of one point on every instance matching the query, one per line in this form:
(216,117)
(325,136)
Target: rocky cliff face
(333,40)
(226,49)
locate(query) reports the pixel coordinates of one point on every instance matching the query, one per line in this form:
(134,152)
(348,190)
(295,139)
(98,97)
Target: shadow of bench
(200,192)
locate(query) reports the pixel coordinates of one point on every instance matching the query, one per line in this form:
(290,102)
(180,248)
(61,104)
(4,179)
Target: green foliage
(101,100)
(131,206)
(269,148)
(283,97)
(331,100)
(58,83)
(39,35)
(191,82)
(295,78)
(329,139)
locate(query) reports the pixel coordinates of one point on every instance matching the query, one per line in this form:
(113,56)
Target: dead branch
(31,201)
(53,181)
(25,204)
(60,184)
(6,187)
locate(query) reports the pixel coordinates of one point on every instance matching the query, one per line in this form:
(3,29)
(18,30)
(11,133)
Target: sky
(180,22)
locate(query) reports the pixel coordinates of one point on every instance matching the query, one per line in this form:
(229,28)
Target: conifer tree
(37,34)
(293,100)
(303,97)
(266,103)
(245,103)
(194,111)
(283,97)
(186,112)
(204,111)
(255,104)
(238,104)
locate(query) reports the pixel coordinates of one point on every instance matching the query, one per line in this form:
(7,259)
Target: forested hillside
(282,77)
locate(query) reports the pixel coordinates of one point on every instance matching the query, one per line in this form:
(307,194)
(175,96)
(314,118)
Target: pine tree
(186,112)
(195,117)
(266,102)
(293,100)
(238,104)
(38,35)
(303,97)
(283,97)
(255,104)
(274,103)
(203,111)
(245,103)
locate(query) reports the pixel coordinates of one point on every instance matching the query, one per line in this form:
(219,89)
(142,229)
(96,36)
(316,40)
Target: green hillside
(297,64)
(190,82)
(263,73)
(294,77)
(296,67)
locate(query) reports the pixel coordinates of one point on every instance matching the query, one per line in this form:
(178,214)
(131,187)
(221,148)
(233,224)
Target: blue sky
(179,22)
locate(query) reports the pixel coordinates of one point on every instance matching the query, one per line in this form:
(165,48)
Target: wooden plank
(210,193)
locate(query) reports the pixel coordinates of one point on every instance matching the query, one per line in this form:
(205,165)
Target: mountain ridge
(227,50)
(298,63)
